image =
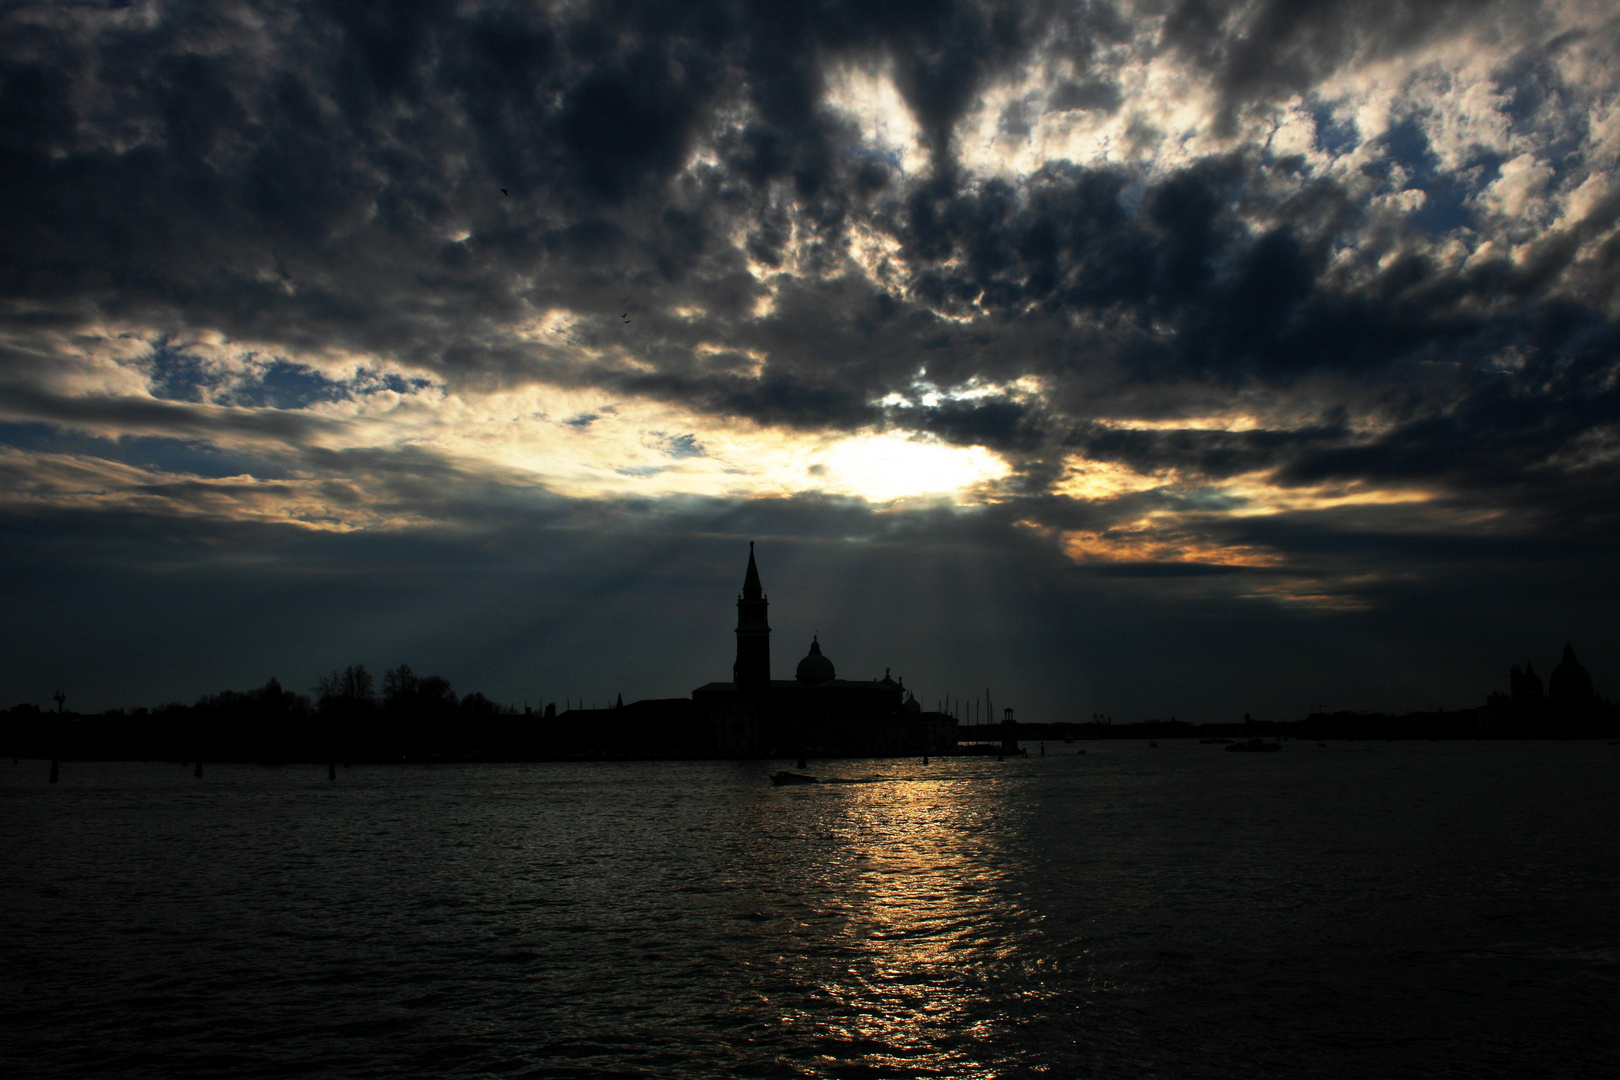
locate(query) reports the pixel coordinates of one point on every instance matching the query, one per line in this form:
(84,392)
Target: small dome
(815,668)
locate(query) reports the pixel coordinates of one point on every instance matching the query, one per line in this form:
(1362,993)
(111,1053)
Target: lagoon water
(1355,910)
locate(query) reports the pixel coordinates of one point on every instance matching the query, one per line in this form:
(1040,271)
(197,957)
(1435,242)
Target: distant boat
(784,778)
(1255,744)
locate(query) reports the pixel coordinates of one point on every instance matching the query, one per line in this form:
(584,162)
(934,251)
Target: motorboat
(784,778)
(1255,745)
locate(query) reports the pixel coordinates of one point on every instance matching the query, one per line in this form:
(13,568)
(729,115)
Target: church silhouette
(1567,704)
(813,714)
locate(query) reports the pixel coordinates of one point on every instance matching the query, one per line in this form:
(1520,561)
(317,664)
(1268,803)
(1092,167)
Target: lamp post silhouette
(59,698)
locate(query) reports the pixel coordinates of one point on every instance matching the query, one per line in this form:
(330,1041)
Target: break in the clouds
(1299,307)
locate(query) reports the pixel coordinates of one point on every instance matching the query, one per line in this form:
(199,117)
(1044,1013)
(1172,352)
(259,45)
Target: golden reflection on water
(905,917)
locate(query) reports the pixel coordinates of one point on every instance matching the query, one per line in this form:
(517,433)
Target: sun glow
(883,468)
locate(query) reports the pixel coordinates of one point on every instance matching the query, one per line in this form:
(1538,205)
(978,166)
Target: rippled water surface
(1355,910)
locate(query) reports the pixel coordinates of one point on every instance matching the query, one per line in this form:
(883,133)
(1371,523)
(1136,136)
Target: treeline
(412,718)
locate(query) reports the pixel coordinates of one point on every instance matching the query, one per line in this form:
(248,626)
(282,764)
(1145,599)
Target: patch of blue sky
(194,458)
(1333,135)
(1407,145)
(583,420)
(887,155)
(642,472)
(149,452)
(282,385)
(683,446)
(1446,194)
(1445,206)
(276,384)
(32,437)
(397,383)
(178,376)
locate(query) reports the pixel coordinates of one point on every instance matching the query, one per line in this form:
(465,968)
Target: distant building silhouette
(1567,705)
(1569,686)
(1525,685)
(753,666)
(815,713)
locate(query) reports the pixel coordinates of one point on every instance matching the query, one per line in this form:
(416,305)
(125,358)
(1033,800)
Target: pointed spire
(751,587)
(815,645)
(1569,652)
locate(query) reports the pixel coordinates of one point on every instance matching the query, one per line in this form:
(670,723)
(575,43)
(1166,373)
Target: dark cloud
(1214,454)
(626,124)
(1000,424)
(327,225)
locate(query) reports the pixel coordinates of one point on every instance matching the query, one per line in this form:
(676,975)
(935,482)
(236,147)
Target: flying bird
(508,194)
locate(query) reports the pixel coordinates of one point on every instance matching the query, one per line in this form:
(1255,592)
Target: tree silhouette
(421,713)
(348,707)
(399,684)
(348,688)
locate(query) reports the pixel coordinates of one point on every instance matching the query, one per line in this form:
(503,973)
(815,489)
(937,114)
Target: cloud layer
(1277,310)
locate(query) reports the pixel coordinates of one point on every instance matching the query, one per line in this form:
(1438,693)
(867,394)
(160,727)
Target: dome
(1569,683)
(815,668)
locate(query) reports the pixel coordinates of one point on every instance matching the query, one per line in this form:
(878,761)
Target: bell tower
(753,667)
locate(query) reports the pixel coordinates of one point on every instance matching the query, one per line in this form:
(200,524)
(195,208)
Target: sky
(1163,358)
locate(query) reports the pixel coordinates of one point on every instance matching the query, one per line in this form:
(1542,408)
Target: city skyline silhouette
(409,717)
